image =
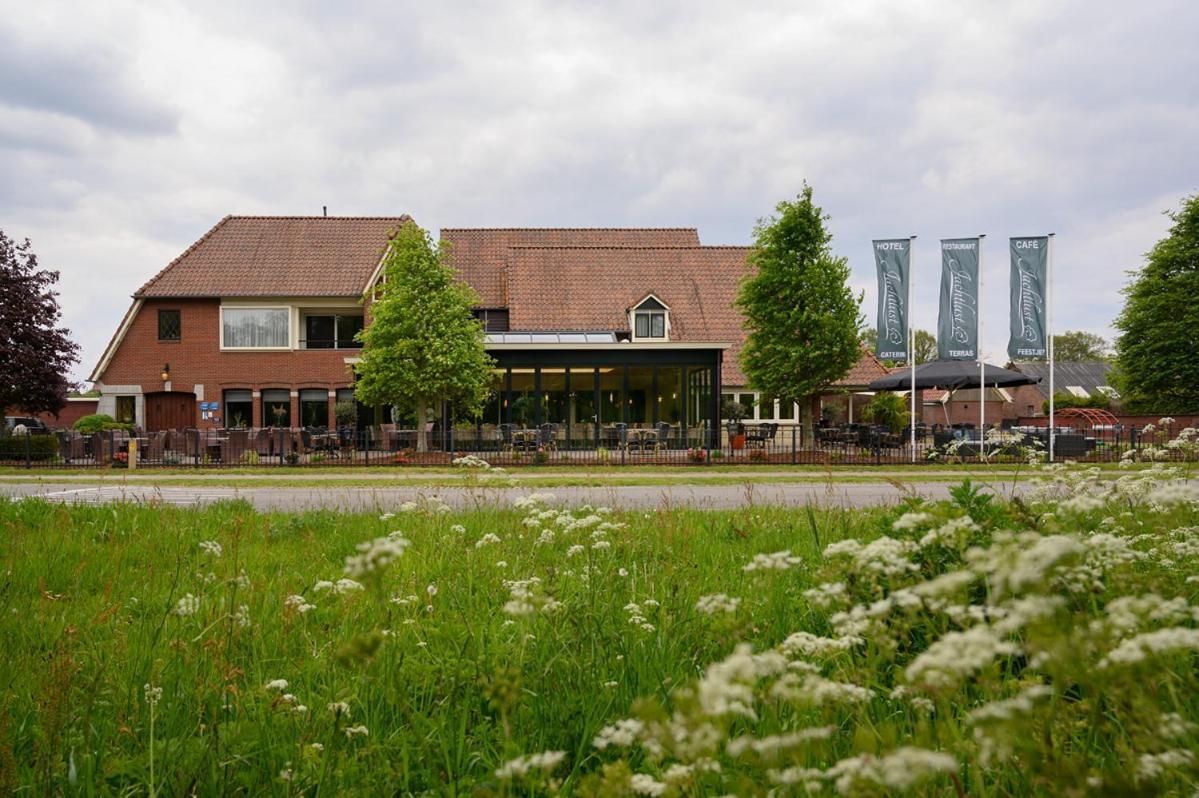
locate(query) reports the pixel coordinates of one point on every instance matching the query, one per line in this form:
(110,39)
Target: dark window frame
(165,313)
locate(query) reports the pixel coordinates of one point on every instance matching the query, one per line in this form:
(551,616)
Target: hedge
(41,447)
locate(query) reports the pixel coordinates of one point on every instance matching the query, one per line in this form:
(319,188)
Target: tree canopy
(1077,346)
(423,345)
(1156,366)
(35,353)
(800,313)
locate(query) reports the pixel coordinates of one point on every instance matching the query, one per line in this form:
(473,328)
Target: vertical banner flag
(893,258)
(1030,274)
(957,322)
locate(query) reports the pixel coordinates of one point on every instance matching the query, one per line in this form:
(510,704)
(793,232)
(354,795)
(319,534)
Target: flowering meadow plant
(981,647)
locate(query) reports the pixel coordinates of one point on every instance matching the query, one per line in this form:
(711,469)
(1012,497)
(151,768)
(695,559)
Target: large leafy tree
(1077,346)
(35,353)
(926,344)
(1156,366)
(423,345)
(801,316)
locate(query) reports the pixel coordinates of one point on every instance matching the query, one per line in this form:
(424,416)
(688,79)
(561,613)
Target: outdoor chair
(505,436)
(664,430)
(548,436)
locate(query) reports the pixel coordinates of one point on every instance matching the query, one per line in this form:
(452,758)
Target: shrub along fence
(765,444)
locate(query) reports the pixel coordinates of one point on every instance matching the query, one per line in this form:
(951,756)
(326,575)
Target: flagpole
(978,347)
(1049,336)
(912,335)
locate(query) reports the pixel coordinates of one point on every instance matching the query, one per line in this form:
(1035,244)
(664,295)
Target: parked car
(33,426)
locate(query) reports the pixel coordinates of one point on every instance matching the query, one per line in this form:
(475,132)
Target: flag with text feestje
(892,257)
(957,321)
(1030,271)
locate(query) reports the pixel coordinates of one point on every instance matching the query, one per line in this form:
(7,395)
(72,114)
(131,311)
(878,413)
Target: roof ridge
(183,255)
(570,229)
(402,217)
(629,246)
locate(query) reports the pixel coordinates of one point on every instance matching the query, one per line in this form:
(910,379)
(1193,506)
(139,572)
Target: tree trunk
(805,419)
(422,435)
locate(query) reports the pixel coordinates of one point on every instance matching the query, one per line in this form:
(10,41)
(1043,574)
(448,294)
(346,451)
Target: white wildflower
(644,784)
(375,556)
(520,767)
(153,694)
(211,547)
(355,731)
(777,561)
(717,602)
(298,604)
(187,605)
(898,770)
(487,540)
(339,708)
(622,733)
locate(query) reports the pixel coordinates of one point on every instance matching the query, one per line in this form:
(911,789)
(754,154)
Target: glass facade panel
(699,404)
(493,408)
(239,409)
(641,396)
(670,396)
(276,408)
(314,408)
(555,403)
(347,328)
(250,328)
(582,399)
(522,403)
(786,411)
(611,394)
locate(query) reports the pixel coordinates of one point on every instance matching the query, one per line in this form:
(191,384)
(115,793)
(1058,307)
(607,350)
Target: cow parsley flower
(644,784)
(354,731)
(487,540)
(153,694)
(211,548)
(187,605)
(278,685)
(375,556)
(898,770)
(298,603)
(717,602)
(522,765)
(777,561)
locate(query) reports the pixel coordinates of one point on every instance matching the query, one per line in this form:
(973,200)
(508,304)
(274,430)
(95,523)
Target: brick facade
(199,366)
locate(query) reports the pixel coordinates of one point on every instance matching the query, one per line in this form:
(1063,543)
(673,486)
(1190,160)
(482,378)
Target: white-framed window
(1078,391)
(255,328)
(651,320)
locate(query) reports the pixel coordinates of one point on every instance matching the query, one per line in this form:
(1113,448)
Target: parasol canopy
(952,375)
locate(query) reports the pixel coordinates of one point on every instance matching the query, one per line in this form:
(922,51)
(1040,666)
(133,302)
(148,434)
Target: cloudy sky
(127,130)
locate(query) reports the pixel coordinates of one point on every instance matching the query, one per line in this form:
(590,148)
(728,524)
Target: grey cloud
(943,119)
(89,84)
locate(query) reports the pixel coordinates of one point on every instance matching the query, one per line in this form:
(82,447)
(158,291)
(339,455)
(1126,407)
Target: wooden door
(170,410)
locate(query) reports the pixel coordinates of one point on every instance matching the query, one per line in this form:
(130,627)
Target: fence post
(112,446)
(28,457)
(794,448)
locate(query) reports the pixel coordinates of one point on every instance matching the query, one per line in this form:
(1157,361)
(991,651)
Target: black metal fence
(616,445)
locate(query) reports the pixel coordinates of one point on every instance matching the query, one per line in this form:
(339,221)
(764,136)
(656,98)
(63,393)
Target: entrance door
(170,410)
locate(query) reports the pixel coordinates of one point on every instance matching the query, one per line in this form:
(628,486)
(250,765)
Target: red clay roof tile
(278,256)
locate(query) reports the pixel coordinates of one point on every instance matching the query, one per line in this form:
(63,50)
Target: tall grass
(526,651)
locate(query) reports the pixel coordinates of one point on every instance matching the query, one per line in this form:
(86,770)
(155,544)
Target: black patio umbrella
(951,375)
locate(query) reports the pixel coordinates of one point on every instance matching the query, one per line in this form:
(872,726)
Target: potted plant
(734,413)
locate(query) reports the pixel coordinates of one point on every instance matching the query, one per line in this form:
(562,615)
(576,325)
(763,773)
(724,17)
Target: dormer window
(650,322)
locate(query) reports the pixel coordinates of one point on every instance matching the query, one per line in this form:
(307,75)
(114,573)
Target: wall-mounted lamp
(166,372)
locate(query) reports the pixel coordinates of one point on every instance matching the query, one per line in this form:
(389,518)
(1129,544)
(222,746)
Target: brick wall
(196,359)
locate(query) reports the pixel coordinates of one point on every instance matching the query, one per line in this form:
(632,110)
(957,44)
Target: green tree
(889,410)
(1156,367)
(423,345)
(1077,346)
(801,316)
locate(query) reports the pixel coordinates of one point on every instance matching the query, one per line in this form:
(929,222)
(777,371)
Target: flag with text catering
(1030,274)
(957,321)
(893,258)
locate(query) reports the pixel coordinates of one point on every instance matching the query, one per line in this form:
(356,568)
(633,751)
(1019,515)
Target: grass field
(1048,647)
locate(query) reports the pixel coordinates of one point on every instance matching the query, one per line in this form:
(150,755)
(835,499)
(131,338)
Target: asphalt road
(388,498)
